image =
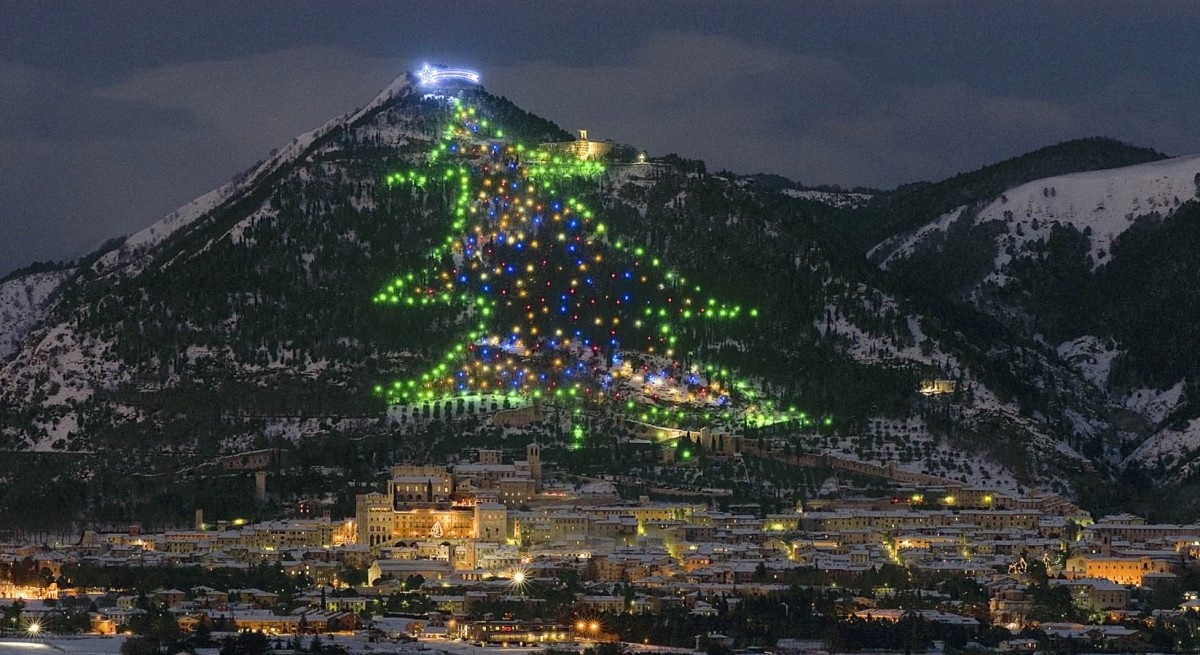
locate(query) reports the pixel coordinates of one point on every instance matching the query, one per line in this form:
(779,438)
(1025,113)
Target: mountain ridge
(245,320)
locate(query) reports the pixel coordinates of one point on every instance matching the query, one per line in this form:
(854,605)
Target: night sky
(113,114)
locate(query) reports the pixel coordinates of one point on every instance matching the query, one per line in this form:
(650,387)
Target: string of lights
(555,307)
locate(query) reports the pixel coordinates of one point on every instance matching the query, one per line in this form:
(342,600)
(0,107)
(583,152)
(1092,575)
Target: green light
(444,378)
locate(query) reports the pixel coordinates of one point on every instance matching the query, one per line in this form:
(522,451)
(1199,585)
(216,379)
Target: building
(583,148)
(434,502)
(1121,570)
(507,633)
(937,387)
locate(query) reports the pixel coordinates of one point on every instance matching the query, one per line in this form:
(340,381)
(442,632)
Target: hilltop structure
(583,148)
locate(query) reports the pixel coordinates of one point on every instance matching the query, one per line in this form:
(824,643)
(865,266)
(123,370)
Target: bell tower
(533,455)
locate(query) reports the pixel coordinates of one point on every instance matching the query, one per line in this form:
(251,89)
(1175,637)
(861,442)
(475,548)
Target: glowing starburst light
(436,75)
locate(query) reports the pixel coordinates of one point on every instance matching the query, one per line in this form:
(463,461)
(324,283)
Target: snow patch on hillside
(902,246)
(24,302)
(909,444)
(979,405)
(1091,357)
(295,429)
(1178,451)
(1154,404)
(1103,203)
(56,372)
(840,199)
(237,233)
(57,431)
(393,135)
(870,348)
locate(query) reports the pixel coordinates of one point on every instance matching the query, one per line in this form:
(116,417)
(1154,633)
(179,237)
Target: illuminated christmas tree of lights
(554,307)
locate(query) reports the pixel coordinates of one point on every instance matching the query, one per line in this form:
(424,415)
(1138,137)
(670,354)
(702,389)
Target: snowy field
(1101,203)
(85,645)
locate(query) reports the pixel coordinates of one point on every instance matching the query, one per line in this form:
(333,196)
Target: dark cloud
(44,105)
(112,114)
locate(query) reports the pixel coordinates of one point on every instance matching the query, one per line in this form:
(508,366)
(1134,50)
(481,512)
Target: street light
(34,629)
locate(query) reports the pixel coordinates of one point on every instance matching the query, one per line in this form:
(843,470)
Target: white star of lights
(435,75)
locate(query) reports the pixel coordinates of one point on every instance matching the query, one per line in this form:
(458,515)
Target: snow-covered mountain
(133,250)
(1097,327)
(244,318)
(1100,204)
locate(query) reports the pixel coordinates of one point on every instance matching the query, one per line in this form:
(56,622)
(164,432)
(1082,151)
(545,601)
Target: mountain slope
(1100,204)
(912,205)
(1099,267)
(246,318)
(25,299)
